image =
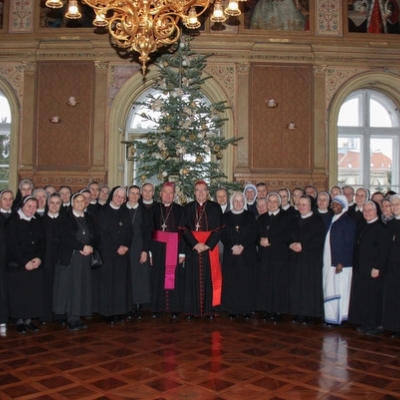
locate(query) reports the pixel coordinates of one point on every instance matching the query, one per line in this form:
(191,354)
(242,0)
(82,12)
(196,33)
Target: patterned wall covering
(328,19)
(21,16)
(68,143)
(274,146)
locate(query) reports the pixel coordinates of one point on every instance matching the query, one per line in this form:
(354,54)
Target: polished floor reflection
(198,359)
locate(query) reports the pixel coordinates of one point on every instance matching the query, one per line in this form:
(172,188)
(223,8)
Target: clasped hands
(200,247)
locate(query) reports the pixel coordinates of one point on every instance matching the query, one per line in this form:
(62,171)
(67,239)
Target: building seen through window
(368,141)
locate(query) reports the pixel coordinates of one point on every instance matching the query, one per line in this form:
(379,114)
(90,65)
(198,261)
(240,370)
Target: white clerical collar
(285,208)
(23,216)
(40,211)
(237,212)
(166,204)
(307,215)
(397,217)
(76,214)
(114,207)
(372,220)
(148,201)
(251,203)
(101,202)
(359,209)
(223,208)
(274,213)
(132,207)
(93,201)
(2,210)
(66,204)
(322,211)
(52,215)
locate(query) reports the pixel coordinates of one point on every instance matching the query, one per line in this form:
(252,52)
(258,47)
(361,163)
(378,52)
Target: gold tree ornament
(133,150)
(199,159)
(167,129)
(183,139)
(216,148)
(219,155)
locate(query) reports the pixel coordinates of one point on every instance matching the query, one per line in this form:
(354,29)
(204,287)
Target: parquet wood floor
(200,359)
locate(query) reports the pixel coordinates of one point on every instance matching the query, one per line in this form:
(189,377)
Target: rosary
(164,220)
(198,218)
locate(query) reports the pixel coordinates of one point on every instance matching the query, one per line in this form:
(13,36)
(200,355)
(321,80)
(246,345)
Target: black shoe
(118,318)
(376,330)
(211,317)
(298,320)
(276,318)
(21,328)
(232,316)
(246,316)
(363,328)
(73,326)
(109,320)
(395,335)
(82,326)
(174,316)
(307,320)
(190,317)
(32,327)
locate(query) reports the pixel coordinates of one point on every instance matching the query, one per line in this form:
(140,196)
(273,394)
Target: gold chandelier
(144,26)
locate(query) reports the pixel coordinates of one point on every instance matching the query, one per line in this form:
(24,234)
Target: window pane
(378,115)
(349,161)
(381,164)
(349,113)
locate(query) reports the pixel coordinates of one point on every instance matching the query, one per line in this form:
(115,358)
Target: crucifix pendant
(237,228)
(163,226)
(197,226)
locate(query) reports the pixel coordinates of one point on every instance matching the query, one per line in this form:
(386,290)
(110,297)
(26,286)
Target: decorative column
(27,138)
(100,122)
(242,114)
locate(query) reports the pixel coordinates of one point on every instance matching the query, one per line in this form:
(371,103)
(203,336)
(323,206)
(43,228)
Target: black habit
(110,281)
(273,263)
(72,292)
(371,251)
(305,267)
(24,242)
(139,274)
(238,271)
(391,299)
(3,274)
(51,228)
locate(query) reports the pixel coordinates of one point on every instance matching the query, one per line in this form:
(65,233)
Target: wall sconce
(72,102)
(271,103)
(291,126)
(55,120)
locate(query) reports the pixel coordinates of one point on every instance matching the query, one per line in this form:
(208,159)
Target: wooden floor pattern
(201,359)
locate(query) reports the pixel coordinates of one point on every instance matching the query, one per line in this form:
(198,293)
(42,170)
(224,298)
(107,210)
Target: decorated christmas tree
(187,143)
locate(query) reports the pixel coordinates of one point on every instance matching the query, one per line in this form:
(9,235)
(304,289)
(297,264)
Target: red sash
(171,240)
(216,275)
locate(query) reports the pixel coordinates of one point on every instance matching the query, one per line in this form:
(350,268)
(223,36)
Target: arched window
(368,141)
(136,126)
(5,130)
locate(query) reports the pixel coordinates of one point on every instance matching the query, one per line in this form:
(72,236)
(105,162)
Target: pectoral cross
(197,226)
(237,228)
(163,226)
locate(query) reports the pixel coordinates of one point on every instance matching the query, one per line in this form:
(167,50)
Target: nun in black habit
(51,225)
(273,260)
(238,236)
(305,266)
(370,261)
(79,237)
(391,299)
(139,271)
(25,248)
(110,281)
